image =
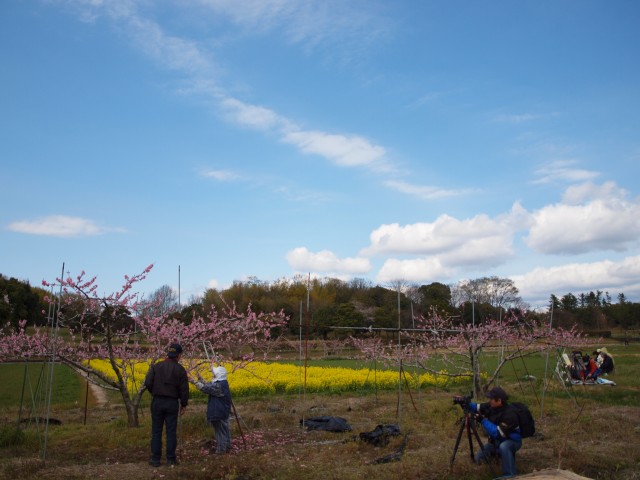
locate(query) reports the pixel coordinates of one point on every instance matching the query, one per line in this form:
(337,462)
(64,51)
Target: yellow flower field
(259,378)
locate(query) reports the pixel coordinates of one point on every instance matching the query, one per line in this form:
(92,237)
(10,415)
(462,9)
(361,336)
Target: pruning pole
(207,346)
(180,429)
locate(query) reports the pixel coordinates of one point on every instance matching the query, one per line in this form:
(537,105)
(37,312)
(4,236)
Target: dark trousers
(164,410)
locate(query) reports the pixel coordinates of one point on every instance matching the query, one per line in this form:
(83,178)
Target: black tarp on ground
(379,436)
(327,423)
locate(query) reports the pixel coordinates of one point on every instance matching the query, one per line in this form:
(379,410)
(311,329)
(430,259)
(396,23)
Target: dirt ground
(597,442)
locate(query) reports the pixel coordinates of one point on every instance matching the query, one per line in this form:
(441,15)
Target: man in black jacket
(167,381)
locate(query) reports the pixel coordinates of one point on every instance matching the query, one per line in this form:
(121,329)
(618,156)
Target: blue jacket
(499,423)
(219,405)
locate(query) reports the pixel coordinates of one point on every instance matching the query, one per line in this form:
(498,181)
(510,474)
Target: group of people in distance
(587,369)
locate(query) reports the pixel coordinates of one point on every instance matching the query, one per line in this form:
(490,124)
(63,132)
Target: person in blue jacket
(501,425)
(218,407)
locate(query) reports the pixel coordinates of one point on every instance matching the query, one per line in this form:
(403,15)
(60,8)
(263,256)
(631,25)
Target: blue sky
(390,140)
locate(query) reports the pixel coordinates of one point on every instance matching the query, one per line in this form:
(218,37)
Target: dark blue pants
(164,410)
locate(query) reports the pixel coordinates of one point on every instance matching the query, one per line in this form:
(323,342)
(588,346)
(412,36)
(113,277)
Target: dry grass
(600,442)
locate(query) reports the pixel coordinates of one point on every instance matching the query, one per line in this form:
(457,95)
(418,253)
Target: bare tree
(495,291)
(161,302)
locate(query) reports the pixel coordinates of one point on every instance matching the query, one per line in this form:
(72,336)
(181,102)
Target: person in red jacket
(590,372)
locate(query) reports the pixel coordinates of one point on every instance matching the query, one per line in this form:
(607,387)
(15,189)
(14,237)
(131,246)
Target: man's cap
(497,393)
(175,349)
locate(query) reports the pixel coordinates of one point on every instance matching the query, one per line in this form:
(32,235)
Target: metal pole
(300,351)
(306,342)
(24,381)
(398,413)
(206,346)
(179,407)
(546,365)
(86,396)
(52,365)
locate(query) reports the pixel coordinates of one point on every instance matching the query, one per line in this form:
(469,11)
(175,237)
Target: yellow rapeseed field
(260,378)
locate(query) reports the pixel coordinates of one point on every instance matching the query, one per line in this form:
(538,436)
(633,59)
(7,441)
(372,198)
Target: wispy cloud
(188,57)
(423,191)
(61,226)
(306,22)
(518,118)
(253,116)
(220,175)
(342,150)
(563,171)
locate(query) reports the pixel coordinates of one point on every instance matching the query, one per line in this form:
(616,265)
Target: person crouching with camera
(501,425)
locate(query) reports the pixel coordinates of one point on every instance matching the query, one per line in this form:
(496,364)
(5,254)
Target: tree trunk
(132,412)
(475,369)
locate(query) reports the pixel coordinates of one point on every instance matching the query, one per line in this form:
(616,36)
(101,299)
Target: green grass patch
(28,381)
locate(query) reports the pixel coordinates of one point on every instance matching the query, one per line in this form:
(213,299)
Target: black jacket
(168,379)
(607,364)
(500,423)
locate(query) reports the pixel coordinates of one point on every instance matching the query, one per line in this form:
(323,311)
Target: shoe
(172,463)
(154,463)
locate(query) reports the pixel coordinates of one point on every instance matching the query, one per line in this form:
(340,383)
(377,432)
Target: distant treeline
(323,304)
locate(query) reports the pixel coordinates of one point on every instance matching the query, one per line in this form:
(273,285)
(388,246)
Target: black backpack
(525,419)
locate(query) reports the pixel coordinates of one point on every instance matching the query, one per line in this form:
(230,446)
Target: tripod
(468,423)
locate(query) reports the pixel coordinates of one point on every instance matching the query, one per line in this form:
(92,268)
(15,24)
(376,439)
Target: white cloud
(448,235)
(575,194)
(609,222)
(488,251)
(424,192)
(252,116)
(615,277)
(342,150)
(563,171)
(345,151)
(424,270)
(213,283)
(446,245)
(302,260)
(60,226)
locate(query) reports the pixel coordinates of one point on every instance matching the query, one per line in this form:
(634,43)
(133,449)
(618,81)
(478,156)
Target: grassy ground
(27,381)
(593,431)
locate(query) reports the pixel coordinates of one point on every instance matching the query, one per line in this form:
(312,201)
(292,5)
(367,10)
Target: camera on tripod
(462,401)
(468,423)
